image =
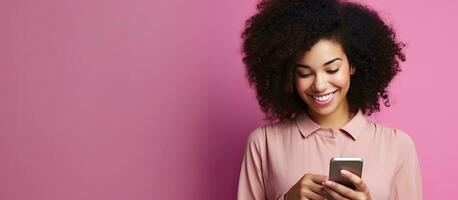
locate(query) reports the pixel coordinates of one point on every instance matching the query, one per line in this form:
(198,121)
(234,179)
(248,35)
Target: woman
(318,68)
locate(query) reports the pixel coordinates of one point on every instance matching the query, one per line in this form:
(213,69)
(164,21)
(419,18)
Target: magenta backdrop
(103,99)
(112,99)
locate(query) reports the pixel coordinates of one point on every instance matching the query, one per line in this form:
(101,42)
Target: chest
(285,166)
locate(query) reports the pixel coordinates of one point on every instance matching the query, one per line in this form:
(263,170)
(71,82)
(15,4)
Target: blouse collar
(354,127)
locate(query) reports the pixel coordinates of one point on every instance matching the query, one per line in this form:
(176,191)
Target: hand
(308,187)
(339,191)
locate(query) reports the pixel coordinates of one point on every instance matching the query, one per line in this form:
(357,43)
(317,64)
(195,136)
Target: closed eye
(307,75)
(302,75)
(333,71)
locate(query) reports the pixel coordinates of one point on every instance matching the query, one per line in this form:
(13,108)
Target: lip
(323,94)
(323,104)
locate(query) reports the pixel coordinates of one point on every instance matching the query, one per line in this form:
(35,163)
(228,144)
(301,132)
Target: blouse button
(334,133)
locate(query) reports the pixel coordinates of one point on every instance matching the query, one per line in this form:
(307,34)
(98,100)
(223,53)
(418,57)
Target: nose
(319,84)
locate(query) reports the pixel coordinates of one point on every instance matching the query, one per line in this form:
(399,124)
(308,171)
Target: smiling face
(322,79)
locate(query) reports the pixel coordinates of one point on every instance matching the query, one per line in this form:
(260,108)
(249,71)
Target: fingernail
(329,183)
(343,172)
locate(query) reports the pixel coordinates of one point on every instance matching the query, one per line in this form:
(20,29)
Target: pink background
(111,99)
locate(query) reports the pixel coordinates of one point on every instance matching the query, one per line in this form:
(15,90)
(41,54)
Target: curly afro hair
(283,30)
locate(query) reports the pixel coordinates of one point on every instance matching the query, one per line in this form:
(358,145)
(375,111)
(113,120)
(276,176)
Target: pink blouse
(277,155)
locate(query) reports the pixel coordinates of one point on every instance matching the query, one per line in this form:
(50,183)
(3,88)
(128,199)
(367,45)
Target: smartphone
(352,164)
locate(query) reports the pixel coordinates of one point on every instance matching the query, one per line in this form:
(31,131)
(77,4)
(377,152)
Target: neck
(334,120)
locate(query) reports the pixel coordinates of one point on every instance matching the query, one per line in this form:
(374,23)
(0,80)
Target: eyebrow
(326,63)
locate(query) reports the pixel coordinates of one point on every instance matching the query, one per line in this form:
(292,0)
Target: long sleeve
(407,180)
(251,183)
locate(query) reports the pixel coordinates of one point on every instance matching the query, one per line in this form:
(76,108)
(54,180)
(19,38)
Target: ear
(352,70)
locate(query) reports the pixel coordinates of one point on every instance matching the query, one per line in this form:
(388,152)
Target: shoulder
(256,135)
(402,137)
(271,131)
(395,137)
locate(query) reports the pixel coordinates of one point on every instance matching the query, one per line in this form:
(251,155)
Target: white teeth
(324,98)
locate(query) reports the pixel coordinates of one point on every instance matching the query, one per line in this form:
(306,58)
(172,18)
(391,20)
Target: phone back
(352,164)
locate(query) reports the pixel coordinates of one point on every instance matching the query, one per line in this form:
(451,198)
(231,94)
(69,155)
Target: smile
(324,99)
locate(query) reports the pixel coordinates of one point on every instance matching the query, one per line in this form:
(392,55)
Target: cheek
(341,80)
(302,84)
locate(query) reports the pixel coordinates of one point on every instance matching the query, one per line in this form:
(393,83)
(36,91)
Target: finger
(318,179)
(311,195)
(356,180)
(333,194)
(341,189)
(314,182)
(316,188)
